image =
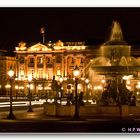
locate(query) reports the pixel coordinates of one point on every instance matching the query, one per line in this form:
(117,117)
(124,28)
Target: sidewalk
(38,115)
(38,122)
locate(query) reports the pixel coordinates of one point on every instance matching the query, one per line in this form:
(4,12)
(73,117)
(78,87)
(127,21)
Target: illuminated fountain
(110,77)
(114,63)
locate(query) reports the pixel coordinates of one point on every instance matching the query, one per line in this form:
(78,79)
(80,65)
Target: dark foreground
(37,122)
(69,126)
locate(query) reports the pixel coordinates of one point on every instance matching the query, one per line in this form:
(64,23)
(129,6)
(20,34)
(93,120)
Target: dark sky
(67,24)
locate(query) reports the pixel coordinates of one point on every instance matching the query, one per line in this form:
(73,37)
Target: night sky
(67,24)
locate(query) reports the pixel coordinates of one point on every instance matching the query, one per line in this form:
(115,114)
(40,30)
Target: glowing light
(31,86)
(30,78)
(61,79)
(95,88)
(65,78)
(11,73)
(138,85)
(22,103)
(103,81)
(40,87)
(83,47)
(128,82)
(89,86)
(17,48)
(8,86)
(87,81)
(79,86)
(76,72)
(21,87)
(16,87)
(125,77)
(48,88)
(99,87)
(82,78)
(72,88)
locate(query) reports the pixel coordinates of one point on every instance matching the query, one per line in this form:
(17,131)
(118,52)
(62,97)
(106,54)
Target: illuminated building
(43,61)
(6,62)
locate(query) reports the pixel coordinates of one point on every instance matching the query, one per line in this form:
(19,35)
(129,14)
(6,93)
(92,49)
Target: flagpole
(43,38)
(42,31)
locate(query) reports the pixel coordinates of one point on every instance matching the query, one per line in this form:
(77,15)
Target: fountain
(115,62)
(109,70)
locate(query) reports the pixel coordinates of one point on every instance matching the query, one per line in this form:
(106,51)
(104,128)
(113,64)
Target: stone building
(6,62)
(48,60)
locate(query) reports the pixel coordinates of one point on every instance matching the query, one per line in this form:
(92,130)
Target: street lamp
(11,74)
(30,94)
(76,74)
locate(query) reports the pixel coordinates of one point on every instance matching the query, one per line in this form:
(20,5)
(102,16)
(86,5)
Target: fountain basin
(91,111)
(119,70)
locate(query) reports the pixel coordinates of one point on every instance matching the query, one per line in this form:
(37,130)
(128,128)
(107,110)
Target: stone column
(62,66)
(35,66)
(65,65)
(26,65)
(44,67)
(54,65)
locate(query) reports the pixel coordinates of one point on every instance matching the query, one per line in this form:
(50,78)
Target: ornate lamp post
(11,74)
(30,94)
(76,74)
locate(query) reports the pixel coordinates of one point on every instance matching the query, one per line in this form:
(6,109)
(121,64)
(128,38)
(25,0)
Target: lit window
(49,73)
(22,73)
(40,73)
(58,72)
(31,72)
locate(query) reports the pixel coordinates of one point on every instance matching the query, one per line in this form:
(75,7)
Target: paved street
(37,122)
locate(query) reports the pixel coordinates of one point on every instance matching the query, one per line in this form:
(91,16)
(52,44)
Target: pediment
(39,47)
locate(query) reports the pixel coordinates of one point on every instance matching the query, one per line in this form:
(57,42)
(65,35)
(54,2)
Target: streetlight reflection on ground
(11,75)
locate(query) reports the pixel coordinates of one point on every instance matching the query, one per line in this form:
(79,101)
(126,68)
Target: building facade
(48,62)
(44,62)
(6,62)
